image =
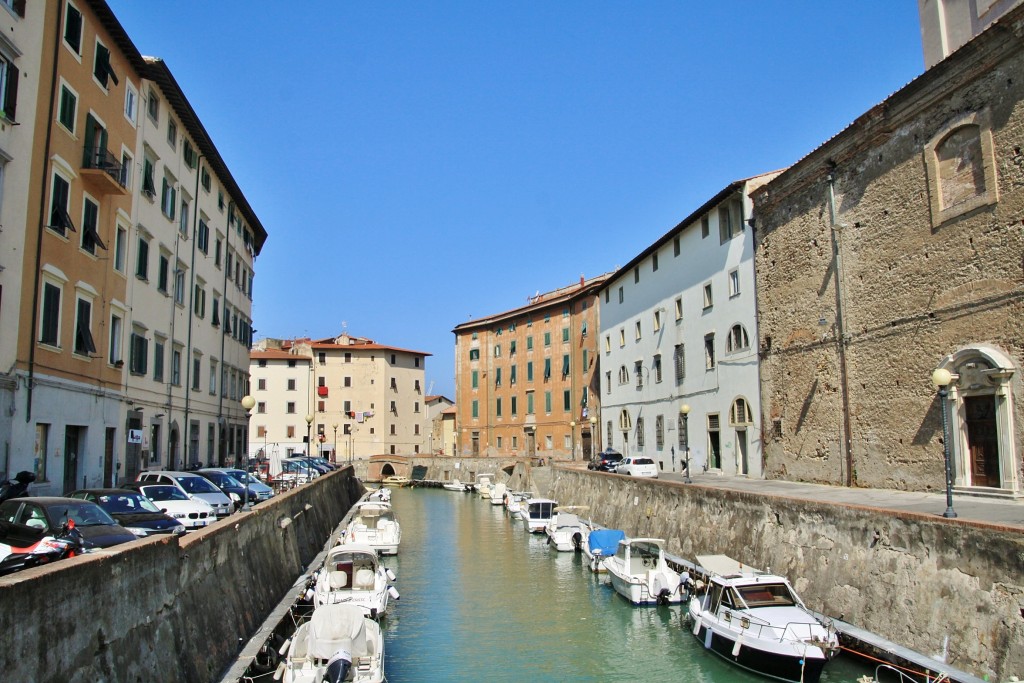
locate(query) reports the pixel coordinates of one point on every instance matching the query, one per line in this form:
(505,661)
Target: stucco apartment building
(890,252)
(679,343)
(526,379)
(361,398)
(106,334)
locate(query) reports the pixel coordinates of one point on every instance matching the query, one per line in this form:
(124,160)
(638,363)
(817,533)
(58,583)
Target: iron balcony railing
(103,160)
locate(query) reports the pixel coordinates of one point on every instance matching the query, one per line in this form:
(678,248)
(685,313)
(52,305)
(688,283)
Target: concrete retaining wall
(166,609)
(934,586)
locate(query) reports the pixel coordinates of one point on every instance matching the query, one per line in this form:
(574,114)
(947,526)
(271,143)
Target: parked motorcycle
(18,487)
(24,547)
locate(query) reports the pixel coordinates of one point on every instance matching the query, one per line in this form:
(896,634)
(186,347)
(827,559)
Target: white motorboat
(382,495)
(756,621)
(566,531)
(455,485)
(483,485)
(536,513)
(498,493)
(353,574)
(374,523)
(396,480)
(338,643)
(514,501)
(639,573)
(601,543)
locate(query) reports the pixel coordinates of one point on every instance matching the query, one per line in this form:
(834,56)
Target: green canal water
(484,600)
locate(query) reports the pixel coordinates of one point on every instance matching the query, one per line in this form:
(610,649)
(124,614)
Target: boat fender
(393,592)
(390,574)
(338,666)
(284,647)
(280,671)
(309,594)
(737,646)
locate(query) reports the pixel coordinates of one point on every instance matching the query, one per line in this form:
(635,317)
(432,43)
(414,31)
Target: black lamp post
(684,412)
(309,447)
(572,439)
(941,379)
(247,402)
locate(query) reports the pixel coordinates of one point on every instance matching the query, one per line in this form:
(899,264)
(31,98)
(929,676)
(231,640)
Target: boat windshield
(767,595)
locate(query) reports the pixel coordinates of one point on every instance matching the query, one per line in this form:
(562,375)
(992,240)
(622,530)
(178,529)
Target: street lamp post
(247,402)
(593,436)
(335,456)
(684,412)
(941,379)
(309,447)
(572,439)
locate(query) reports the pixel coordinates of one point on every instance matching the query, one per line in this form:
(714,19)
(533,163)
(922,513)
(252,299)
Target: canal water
(484,600)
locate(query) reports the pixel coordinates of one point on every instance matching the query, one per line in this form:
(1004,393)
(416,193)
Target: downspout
(42,218)
(192,302)
(170,381)
(844,389)
(221,422)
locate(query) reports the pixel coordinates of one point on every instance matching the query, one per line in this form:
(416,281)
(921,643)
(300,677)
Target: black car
(49,514)
(605,461)
(231,487)
(132,510)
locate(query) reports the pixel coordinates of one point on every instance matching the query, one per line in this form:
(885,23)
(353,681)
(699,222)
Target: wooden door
(982,440)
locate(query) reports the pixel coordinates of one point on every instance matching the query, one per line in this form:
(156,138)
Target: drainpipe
(42,217)
(221,421)
(844,388)
(170,381)
(192,302)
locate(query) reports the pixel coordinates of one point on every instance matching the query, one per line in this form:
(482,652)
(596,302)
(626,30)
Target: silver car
(194,486)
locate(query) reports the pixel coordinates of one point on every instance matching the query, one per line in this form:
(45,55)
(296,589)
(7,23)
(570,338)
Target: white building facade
(678,344)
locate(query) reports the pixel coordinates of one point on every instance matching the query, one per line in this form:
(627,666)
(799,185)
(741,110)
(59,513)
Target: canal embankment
(952,589)
(167,609)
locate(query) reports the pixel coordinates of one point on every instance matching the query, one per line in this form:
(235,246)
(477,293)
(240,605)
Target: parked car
(132,510)
(193,485)
(231,487)
(605,461)
(312,462)
(48,514)
(299,468)
(258,491)
(637,467)
(193,513)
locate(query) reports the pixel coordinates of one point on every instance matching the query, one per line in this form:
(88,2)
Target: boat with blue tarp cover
(601,543)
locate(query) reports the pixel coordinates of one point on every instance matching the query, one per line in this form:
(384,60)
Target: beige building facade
(527,380)
(890,252)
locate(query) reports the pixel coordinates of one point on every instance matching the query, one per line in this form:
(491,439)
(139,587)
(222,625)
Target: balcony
(102,173)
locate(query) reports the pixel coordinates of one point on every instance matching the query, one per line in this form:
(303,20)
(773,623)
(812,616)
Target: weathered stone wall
(916,286)
(931,585)
(166,609)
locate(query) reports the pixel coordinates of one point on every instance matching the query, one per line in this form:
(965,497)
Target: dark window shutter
(19,8)
(11,97)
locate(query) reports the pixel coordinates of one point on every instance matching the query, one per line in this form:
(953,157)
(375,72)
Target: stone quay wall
(166,609)
(947,588)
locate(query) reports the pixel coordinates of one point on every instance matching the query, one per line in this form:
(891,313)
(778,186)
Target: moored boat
(338,643)
(757,621)
(455,485)
(353,574)
(536,513)
(498,493)
(374,523)
(639,573)
(601,543)
(483,484)
(566,531)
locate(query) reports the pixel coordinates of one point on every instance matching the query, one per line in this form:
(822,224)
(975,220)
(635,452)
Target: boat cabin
(541,508)
(638,556)
(352,566)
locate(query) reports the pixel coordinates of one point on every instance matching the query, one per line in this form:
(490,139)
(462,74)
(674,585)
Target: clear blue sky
(420,164)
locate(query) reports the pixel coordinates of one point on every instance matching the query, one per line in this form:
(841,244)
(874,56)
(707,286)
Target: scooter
(18,487)
(24,547)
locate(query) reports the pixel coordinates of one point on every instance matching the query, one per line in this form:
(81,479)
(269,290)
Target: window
(512,348)
(68,108)
(84,344)
(49,319)
(142,259)
(131,102)
(639,432)
(637,331)
(172,134)
(608,381)
(474,354)
(529,403)
(183,218)
(114,342)
(196,368)
(565,334)
(547,402)
(708,298)
(607,344)
(60,219)
(475,379)
(497,350)
(138,352)
(148,184)
(199,301)
(291,385)
(680,363)
(636,275)
(73,29)
(515,406)
(213,377)
(676,246)
(625,422)
(203,238)
(158,360)
(705,226)
(622,338)
(120,248)
(101,68)
(188,153)
(176,367)
(657,320)
(565,364)
(709,351)
(656,367)
(547,339)
(734,283)
(960,161)
(476,409)
(179,286)
(204,179)
(163,273)
(659,432)
(679,308)
(168,198)
(290,407)
(739,413)
(737,340)
(622,295)
(623,375)
(512,375)
(90,224)
(638,370)
(529,343)
(547,369)
(529,371)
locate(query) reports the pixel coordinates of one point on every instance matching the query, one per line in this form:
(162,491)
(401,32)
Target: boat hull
(778,665)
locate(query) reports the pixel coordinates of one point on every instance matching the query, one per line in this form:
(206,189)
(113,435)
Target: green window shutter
(547,339)
(547,368)
(565,334)
(547,401)
(476,409)
(529,371)
(476,379)
(565,365)
(497,407)
(566,401)
(529,404)
(497,377)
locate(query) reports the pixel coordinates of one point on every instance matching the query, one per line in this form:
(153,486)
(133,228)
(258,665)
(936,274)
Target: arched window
(623,375)
(738,340)
(625,421)
(961,167)
(739,413)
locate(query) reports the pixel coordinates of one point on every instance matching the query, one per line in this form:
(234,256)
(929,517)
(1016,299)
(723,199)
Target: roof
(275,354)
(320,345)
(539,301)
(156,70)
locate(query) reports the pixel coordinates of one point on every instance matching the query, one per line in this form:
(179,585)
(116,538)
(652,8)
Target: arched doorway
(980,403)
(172,447)
(387,470)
